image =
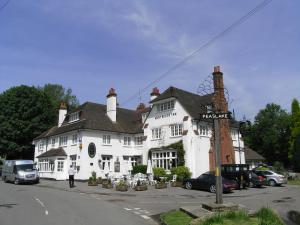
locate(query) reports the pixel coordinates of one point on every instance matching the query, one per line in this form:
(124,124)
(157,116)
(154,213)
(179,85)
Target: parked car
(272,178)
(207,181)
(1,165)
(255,180)
(237,172)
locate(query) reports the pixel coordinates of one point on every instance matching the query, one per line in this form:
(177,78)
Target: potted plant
(107,184)
(180,173)
(93,180)
(99,180)
(121,186)
(140,186)
(161,184)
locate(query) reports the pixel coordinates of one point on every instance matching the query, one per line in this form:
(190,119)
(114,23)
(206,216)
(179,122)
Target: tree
(25,112)
(57,94)
(294,144)
(269,135)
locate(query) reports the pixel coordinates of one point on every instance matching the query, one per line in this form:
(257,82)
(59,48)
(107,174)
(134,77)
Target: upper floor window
(234,134)
(106,139)
(138,140)
(74,139)
(165,106)
(156,133)
(74,117)
(41,145)
(53,142)
(127,140)
(203,130)
(63,141)
(176,130)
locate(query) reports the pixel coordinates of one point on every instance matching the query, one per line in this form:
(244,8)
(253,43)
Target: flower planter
(141,188)
(99,181)
(107,185)
(92,184)
(160,185)
(176,184)
(121,188)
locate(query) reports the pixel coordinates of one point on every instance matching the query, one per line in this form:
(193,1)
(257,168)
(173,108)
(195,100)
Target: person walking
(71,173)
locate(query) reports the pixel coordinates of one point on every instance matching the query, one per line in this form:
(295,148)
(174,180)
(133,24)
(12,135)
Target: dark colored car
(255,180)
(207,181)
(238,173)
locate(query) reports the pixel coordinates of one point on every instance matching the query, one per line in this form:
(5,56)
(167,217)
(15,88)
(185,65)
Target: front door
(60,169)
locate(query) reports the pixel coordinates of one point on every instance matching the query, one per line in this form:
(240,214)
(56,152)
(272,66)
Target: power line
(205,45)
(4,5)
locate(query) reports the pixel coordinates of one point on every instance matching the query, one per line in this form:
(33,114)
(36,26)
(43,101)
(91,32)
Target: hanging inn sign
(216,116)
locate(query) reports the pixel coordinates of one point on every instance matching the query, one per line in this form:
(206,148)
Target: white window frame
(41,145)
(63,141)
(74,117)
(106,139)
(106,159)
(127,141)
(203,130)
(176,130)
(74,139)
(163,159)
(169,105)
(138,141)
(53,141)
(60,165)
(156,133)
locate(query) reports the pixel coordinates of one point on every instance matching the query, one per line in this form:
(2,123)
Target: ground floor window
(60,166)
(45,165)
(73,161)
(135,160)
(164,159)
(106,161)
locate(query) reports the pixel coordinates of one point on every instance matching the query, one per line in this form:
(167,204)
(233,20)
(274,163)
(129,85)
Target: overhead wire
(241,20)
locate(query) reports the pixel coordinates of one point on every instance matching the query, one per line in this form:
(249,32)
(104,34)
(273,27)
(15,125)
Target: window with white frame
(203,130)
(63,141)
(156,133)
(74,139)
(135,160)
(73,161)
(127,141)
(165,106)
(106,161)
(53,142)
(106,139)
(41,145)
(164,159)
(74,117)
(176,130)
(60,166)
(44,165)
(138,140)
(234,134)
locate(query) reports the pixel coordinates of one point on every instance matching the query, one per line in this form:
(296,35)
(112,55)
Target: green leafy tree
(296,154)
(294,129)
(25,112)
(57,94)
(269,135)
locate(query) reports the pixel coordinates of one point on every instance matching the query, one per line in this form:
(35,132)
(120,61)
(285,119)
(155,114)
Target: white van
(20,171)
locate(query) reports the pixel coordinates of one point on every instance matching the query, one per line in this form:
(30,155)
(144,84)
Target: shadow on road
(9,206)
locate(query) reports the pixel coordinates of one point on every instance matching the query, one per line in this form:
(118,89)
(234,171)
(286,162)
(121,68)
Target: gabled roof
(194,104)
(93,116)
(252,155)
(53,152)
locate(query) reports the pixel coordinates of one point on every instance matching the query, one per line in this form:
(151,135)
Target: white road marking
(145,217)
(127,209)
(39,201)
(138,213)
(46,212)
(137,208)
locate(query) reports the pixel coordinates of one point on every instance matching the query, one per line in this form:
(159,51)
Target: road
(29,204)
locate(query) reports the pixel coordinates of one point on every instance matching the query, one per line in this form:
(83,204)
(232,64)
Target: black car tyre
(212,188)
(272,183)
(188,185)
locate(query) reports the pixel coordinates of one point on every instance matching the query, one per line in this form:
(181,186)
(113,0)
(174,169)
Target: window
(73,161)
(106,139)
(138,140)
(74,117)
(176,130)
(165,106)
(53,142)
(63,141)
(106,161)
(44,165)
(74,139)
(127,141)
(60,166)
(92,150)
(156,133)
(203,130)
(135,160)
(41,145)
(164,159)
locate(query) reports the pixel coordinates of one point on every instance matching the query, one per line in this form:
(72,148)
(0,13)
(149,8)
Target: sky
(91,46)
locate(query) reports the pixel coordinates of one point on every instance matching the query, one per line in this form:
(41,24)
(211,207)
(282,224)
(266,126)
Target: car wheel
(272,183)
(212,188)
(188,185)
(16,182)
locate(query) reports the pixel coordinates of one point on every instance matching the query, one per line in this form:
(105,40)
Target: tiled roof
(93,116)
(53,152)
(252,155)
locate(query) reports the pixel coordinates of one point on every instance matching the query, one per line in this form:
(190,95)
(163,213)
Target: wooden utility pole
(219,189)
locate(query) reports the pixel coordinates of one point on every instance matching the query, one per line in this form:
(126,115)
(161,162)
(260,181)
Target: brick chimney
(62,113)
(154,94)
(220,105)
(111,105)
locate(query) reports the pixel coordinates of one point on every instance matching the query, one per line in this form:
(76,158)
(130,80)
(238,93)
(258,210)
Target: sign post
(216,117)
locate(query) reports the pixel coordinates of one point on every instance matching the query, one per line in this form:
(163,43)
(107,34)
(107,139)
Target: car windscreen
(25,167)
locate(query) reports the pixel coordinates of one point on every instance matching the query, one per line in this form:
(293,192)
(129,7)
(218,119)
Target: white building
(105,138)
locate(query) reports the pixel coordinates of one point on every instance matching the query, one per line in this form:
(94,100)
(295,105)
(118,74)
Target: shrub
(182,172)
(278,167)
(139,169)
(159,172)
(121,183)
(93,178)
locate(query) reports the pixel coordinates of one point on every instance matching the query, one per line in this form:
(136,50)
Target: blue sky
(90,46)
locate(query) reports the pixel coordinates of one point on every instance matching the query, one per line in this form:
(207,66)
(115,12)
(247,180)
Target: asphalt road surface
(30,204)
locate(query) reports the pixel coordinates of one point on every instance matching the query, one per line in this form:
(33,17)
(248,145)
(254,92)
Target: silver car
(273,178)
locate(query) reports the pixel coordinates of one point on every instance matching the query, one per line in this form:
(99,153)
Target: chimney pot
(111,92)
(155,91)
(217,69)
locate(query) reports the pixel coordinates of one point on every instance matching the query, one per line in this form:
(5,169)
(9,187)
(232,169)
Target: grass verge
(175,218)
(294,182)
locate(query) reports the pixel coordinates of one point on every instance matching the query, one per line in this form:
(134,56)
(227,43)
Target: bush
(182,172)
(139,169)
(278,167)
(93,178)
(159,172)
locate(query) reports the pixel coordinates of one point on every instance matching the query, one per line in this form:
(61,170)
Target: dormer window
(73,117)
(165,106)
